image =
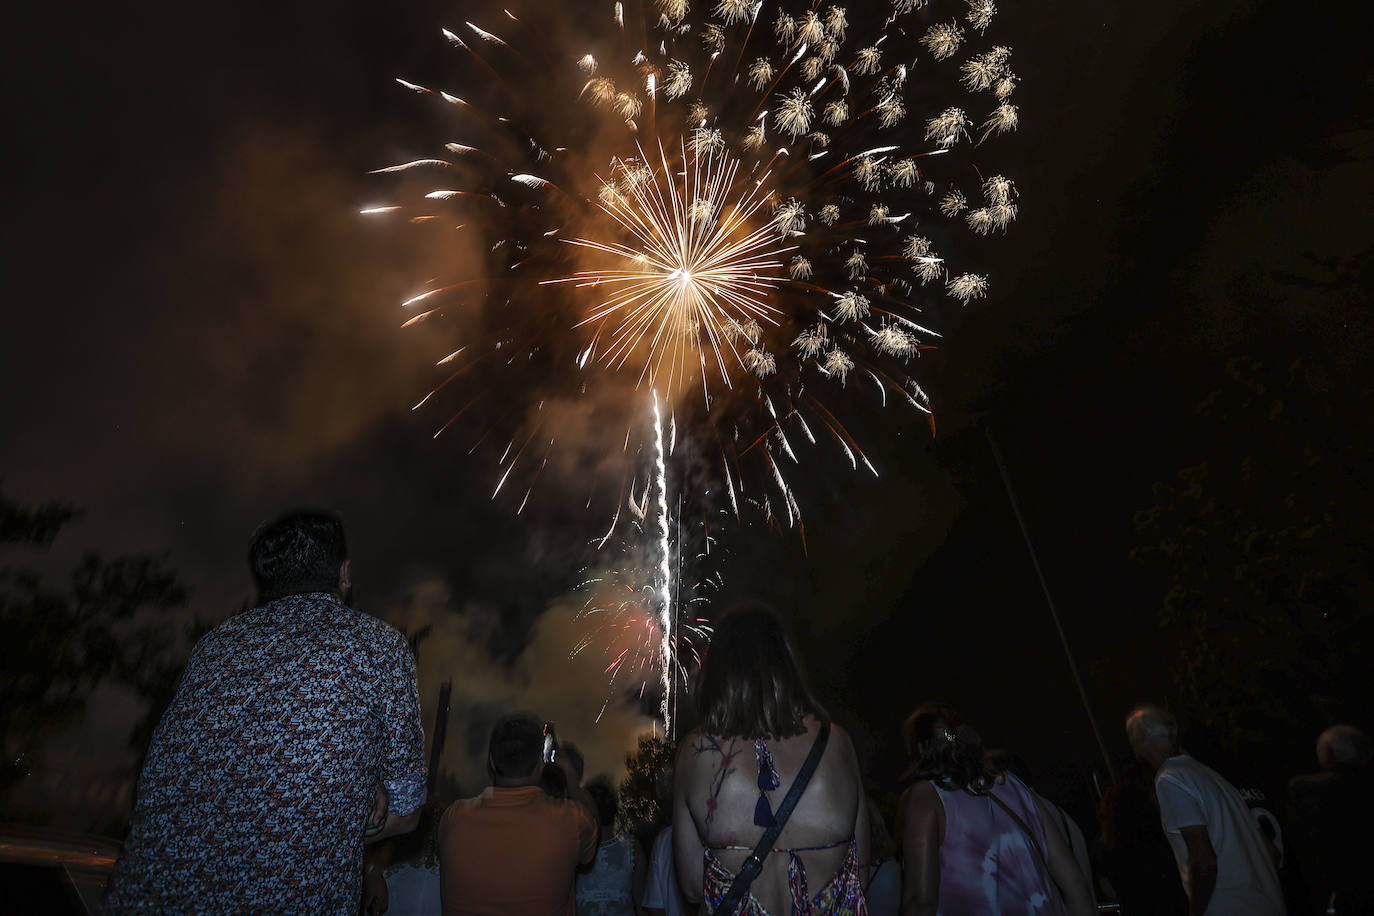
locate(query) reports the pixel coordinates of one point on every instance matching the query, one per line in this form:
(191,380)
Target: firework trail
(665,560)
(625,616)
(742,206)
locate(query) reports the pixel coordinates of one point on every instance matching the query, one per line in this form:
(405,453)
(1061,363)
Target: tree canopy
(1267,540)
(106,622)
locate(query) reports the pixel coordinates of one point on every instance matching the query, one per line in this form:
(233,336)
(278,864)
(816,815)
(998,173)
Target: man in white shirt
(1226,865)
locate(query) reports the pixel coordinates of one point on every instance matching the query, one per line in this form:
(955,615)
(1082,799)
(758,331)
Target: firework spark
(697,235)
(701,261)
(640,621)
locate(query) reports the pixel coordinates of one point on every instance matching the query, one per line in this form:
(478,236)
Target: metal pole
(1049,600)
(436,746)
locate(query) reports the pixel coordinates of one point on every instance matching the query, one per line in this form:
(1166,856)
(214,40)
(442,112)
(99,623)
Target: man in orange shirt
(513,849)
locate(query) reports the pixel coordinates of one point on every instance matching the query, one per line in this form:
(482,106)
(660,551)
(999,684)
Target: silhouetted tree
(639,806)
(106,623)
(1267,542)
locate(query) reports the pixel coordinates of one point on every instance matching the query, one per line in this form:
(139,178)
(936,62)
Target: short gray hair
(1152,721)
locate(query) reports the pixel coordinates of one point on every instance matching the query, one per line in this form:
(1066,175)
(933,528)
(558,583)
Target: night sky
(200,331)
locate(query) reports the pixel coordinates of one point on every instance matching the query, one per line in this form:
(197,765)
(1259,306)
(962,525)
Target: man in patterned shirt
(295,729)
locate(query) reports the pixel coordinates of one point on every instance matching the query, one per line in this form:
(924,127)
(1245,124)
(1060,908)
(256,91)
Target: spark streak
(665,572)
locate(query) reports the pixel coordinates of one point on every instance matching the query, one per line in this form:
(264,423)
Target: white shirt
(660,887)
(413,890)
(1192,794)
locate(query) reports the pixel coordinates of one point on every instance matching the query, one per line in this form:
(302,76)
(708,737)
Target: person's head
(1153,733)
(1002,760)
(515,754)
(299,553)
(1344,747)
(607,802)
(943,749)
(750,685)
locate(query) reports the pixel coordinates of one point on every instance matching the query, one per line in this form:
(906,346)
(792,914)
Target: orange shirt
(513,851)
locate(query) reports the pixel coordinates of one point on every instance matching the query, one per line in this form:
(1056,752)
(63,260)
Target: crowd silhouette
(288,776)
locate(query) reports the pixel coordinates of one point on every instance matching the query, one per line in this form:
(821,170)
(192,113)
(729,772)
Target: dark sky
(199,332)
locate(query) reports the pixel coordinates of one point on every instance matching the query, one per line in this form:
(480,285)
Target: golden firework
(701,256)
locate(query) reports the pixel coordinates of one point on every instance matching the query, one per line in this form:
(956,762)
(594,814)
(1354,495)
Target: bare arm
(1072,884)
(920,830)
(396,825)
(1202,868)
(383,822)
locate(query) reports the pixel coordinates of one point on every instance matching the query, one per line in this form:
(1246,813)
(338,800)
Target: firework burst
(700,263)
(737,205)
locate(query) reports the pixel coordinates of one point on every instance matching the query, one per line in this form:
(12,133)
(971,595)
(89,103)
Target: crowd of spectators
(288,776)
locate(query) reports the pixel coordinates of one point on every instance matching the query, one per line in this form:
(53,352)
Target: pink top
(988,866)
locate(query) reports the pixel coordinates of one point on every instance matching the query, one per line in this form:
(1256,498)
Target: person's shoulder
(923,791)
(458,818)
(565,814)
(1016,787)
(1196,775)
(369,631)
(386,634)
(563,807)
(461,808)
(1181,768)
(692,746)
(839,738)
(226,638)
(231,626)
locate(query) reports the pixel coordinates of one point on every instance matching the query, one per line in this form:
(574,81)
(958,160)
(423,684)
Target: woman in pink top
(975,843)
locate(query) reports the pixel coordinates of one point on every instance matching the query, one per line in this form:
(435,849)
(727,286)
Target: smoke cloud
(542,678)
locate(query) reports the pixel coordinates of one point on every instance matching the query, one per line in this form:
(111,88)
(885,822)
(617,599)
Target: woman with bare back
(758,727)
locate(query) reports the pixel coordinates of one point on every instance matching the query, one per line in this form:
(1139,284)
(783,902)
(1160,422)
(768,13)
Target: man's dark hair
(298,553)
(603,794)
(750,685)
(517,743)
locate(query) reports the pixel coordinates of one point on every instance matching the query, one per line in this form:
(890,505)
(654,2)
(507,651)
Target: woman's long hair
(750,685)
(944,750)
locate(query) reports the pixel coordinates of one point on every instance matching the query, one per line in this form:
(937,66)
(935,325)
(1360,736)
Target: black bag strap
(754,864)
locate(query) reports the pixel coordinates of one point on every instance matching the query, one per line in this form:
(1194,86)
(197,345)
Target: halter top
(842,895)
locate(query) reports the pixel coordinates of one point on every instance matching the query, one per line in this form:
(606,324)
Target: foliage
(1267,542)
(650,763)
(106,623)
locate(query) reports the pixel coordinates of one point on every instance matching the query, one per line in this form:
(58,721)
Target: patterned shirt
(262,772)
